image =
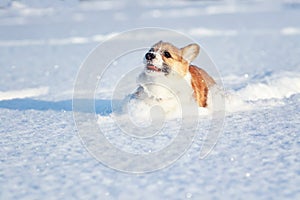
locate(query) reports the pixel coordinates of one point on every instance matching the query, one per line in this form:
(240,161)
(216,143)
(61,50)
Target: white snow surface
(255,46)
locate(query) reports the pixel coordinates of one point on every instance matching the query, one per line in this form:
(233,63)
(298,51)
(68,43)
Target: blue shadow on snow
(102,107)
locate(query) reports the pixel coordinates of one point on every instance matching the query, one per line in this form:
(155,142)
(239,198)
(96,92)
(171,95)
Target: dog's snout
(150,56)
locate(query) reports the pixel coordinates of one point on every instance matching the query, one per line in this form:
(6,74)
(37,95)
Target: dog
(164,62)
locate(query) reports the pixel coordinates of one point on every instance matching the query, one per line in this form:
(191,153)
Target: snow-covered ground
(255,46)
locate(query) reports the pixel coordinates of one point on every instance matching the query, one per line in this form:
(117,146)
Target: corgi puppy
(165,61)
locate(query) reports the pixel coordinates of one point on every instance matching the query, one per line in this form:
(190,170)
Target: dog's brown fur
(201,82)
(180,62)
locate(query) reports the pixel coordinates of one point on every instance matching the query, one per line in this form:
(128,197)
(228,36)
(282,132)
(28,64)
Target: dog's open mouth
(153,68)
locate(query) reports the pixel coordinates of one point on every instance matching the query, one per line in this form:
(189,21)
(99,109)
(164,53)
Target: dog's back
(201,82)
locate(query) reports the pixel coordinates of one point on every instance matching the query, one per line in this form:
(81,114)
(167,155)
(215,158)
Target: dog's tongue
(152,67)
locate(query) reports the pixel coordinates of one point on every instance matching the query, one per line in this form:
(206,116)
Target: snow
(25,93)
(275,86)
(255,46)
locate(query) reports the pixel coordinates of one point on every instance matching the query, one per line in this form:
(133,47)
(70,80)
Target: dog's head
(165,58)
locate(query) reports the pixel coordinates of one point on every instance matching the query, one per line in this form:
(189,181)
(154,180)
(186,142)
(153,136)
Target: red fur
(201,82)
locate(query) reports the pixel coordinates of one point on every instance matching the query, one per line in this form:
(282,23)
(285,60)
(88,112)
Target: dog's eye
(167,54)
(151,50)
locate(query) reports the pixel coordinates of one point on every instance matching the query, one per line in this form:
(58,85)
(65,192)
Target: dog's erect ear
(190,52)
(158,43)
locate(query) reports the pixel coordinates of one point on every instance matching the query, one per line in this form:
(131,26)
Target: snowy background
(255,46)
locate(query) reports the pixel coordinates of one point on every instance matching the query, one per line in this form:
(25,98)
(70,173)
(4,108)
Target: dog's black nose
(150,56)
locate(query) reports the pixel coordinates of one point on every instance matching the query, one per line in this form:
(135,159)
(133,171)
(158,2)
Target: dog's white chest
(165,87)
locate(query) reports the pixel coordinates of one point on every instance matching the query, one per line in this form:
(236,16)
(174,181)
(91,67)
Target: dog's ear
(158,43)
(190,52)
